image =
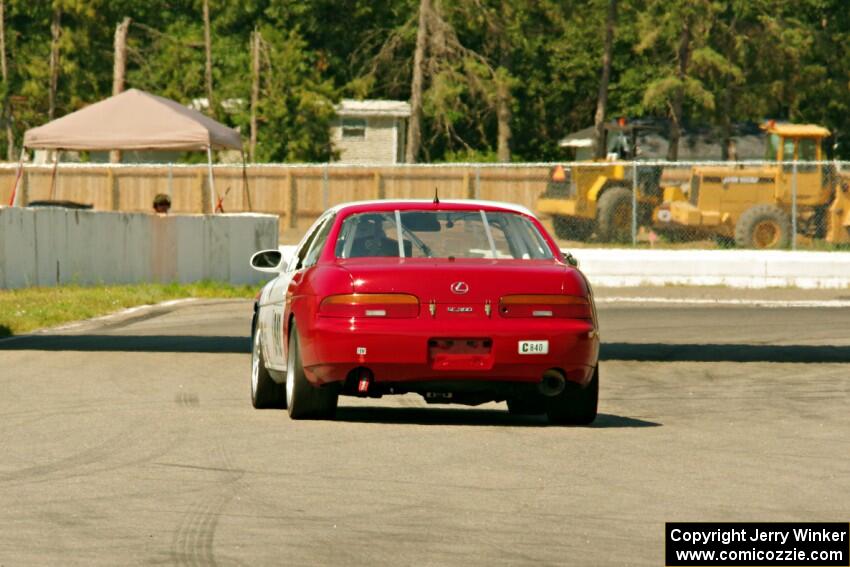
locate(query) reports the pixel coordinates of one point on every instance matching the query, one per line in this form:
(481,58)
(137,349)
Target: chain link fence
(771,205)
(763,205)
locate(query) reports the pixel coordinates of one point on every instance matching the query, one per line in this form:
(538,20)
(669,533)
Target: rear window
(441,234)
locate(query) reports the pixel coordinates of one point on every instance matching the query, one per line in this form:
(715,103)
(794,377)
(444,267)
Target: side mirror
(571,260)
(270,261)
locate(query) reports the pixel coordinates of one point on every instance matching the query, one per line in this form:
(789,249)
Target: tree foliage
(503,77)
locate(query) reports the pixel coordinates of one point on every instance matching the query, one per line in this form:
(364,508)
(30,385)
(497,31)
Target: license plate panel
(533,347)
(461,353)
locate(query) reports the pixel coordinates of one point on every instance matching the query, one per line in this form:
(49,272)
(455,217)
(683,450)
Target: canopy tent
(134,120)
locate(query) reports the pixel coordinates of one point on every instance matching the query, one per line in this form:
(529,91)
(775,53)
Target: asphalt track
(131,440)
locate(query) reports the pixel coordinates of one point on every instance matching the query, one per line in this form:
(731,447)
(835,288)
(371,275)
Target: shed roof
(361,108)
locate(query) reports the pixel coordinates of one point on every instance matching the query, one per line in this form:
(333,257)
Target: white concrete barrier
(52,246)
(625,267)
(733,268)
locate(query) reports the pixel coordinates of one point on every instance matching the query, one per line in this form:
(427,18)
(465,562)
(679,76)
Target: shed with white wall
(370,131)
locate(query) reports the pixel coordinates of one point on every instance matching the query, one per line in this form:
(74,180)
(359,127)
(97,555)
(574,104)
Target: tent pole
(13,202)
(245,188)
(53,175)
(212,179)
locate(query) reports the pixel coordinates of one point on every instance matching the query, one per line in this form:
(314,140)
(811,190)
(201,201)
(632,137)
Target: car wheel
(576,405)
(526,405)
(304,400)
(265,392)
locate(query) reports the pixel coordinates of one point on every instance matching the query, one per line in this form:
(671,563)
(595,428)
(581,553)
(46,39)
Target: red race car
(460,301)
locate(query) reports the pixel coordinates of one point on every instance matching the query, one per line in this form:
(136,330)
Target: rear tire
(614,215)
(576,405)
(304,400)
(763,227)
(265,392)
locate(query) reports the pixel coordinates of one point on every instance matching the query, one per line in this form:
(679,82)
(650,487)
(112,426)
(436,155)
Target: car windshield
(441,234)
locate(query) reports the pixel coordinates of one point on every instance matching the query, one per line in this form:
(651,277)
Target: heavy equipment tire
(265,392)
(304,400)
(526,405)
(576,405)
(763,226)
(724,241)
(567,228)
(614,215)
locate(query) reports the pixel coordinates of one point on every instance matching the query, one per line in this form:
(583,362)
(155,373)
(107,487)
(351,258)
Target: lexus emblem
(460,288)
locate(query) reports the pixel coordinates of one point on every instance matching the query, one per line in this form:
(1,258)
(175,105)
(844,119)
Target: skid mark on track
(21,418)
(192,543)
(187,399)
(68,465)
(193,540)
(119,451)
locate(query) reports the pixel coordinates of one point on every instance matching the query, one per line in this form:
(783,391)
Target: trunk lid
(456,285)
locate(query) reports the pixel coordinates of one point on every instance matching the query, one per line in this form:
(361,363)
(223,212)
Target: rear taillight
(388,305)
(554,306)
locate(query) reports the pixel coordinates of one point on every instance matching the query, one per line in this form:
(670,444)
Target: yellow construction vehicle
(752,205)
(594,197)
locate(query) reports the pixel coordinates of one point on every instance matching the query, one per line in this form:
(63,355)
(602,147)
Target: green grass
(24,310)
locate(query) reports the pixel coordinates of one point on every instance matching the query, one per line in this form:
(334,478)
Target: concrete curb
(164,306)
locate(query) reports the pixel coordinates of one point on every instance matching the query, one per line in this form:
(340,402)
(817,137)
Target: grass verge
(24,310)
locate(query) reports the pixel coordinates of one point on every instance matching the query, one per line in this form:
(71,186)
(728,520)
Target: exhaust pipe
(553,383)
(364,381)
(359,382)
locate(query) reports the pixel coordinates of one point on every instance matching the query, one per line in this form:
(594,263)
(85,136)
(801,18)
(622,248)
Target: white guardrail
(53,246)
(733,268)
(624,267)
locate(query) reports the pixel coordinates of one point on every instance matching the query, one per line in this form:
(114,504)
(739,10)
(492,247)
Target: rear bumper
(397,350)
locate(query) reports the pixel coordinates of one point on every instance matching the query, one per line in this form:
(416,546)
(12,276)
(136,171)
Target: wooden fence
(297,194)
